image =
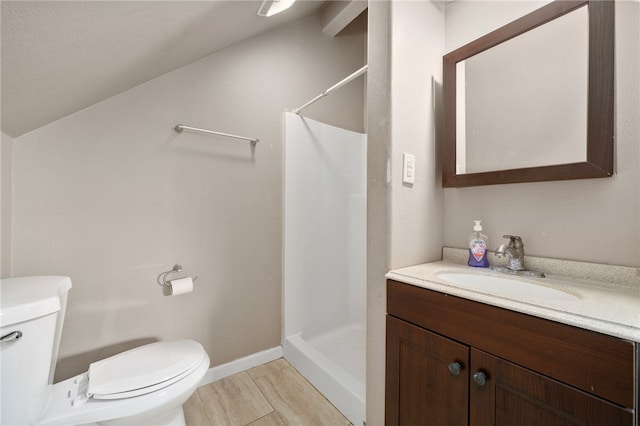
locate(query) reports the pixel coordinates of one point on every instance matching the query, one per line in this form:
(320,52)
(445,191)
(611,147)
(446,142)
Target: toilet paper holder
(162,278)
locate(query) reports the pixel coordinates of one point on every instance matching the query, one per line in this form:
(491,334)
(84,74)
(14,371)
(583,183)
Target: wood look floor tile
(194,412)
(268,368)
(269,420)
(296,401)
(234,401)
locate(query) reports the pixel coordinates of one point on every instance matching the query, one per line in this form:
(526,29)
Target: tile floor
(271,394)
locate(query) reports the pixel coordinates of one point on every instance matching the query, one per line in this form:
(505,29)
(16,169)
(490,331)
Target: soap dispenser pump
(478,247)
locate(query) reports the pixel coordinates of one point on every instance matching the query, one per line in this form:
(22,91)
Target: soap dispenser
(478,247)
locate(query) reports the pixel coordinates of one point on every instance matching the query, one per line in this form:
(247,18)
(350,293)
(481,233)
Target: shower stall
(325,260)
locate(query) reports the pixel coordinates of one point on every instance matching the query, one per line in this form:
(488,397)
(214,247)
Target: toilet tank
(31,316)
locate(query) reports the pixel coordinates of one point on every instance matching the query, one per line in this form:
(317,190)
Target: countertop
(605,307)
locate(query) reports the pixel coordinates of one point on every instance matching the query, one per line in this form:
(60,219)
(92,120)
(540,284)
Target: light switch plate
(408,168)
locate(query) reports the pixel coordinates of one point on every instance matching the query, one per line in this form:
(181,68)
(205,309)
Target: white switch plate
(408,168)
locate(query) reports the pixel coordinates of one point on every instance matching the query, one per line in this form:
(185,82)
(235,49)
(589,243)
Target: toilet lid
(143,369)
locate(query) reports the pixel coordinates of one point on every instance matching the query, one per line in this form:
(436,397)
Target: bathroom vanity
(457,356)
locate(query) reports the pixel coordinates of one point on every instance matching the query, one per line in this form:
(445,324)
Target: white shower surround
(325,259)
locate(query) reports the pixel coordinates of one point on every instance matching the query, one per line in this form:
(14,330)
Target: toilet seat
(144,369)
(70,404)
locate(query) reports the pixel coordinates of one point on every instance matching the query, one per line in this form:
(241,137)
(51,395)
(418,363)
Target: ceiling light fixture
(271,7)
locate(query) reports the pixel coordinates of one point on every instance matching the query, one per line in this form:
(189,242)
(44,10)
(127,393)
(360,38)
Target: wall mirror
(533,100)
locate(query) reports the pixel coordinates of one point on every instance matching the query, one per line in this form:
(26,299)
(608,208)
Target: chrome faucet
(515,262)
(515,250)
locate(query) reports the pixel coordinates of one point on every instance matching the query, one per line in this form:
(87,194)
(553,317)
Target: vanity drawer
(595,363)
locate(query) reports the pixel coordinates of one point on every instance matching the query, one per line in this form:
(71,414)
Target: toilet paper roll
(181,286)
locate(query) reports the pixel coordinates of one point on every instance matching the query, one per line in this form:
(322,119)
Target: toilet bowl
(143,386)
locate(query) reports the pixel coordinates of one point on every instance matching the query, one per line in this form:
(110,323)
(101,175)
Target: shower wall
(324,227)
(324,260)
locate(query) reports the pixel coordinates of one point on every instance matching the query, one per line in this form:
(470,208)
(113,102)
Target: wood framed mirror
(592,148)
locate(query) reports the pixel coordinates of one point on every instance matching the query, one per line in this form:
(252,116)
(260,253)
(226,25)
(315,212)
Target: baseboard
(241,364)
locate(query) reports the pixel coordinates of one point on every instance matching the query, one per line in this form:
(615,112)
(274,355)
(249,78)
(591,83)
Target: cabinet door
(423,385)
(513,395)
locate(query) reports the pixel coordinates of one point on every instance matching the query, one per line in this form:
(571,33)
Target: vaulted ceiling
(61,56)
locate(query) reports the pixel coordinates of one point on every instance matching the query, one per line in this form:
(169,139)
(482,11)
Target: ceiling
(59,57)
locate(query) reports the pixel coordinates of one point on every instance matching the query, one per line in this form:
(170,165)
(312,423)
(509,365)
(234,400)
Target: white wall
(112,196)
(405,222)
(416,81)
(378,202)
(6,161)
(595,220)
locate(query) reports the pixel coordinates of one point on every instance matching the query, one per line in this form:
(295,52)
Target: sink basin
(505,287)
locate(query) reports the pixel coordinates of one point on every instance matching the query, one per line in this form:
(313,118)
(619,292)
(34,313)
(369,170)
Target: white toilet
(142,386)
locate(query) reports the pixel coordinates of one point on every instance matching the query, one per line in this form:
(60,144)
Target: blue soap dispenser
(478,247)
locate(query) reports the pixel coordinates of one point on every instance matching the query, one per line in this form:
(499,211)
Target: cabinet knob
(455,368)
(479,378)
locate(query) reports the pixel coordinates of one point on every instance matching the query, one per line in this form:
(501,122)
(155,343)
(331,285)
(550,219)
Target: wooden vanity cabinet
(452,361)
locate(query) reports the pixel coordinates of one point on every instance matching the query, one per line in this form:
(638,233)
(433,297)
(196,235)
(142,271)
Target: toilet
(142,386)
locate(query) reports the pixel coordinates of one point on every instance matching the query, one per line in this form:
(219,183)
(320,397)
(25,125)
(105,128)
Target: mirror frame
(600,109)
